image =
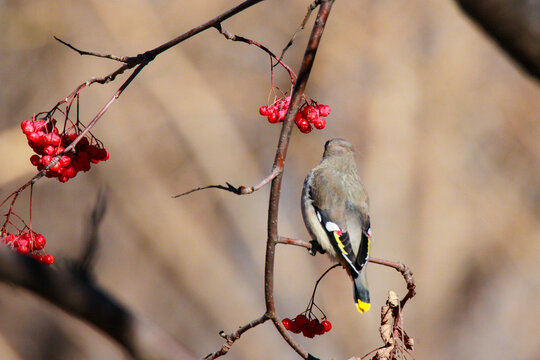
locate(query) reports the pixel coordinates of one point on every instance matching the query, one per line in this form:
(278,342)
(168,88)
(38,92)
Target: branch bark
(281,152)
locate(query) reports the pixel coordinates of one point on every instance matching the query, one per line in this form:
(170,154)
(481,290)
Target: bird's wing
(341,220)
(340,240)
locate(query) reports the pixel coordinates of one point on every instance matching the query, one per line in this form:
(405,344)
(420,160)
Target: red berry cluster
(310,114)
(46,141)
(308,327)
(28,243)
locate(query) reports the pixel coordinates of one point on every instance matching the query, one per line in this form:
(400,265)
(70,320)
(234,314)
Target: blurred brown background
(447,133)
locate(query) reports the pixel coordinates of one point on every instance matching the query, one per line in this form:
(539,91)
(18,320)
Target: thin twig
(310,9)
(296,242)
(241,190)
(228,35)
(231,338)
(123,59)
(407,275)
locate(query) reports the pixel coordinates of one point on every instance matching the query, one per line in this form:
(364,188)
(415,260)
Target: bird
(335,209)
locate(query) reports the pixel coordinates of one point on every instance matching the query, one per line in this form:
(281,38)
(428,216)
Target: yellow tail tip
(362,306)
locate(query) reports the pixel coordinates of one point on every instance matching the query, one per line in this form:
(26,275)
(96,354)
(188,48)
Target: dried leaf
(384,353)
(393,299)
(386,314)
(409,342)
(386,334)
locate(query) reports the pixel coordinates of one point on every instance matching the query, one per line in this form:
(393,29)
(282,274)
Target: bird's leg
(315,248)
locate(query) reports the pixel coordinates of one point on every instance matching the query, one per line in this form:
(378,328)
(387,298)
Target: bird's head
(338,147)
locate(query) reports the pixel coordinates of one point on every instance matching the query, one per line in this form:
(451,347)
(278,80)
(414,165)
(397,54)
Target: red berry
(295,328)
(263,110)
(273,117)
(82,145)
(308,332)
(20,242)
(45,160)
(301,320)
(306,131)
(34,159)
(23,249)
(33,137)
(311,113)
(10,239)
(281,115)
(320,329)
(27,127)
(42,140)
(69,171)
(327,325)
(304,126)
(301,122)
(38,124)
(49,150)
(286,323)
(319,123)
(64,160)
(63,178)
(51,174)
(68,139)
(54,139)
(56,167)
(47,259)
(39,242)
(324,110)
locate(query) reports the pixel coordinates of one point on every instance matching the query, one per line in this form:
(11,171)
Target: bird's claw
(315,248)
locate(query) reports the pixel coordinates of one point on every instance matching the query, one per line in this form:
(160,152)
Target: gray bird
(335,208)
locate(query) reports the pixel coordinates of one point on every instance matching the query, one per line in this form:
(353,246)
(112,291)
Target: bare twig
(407,275)
(296,242)
(310,9)
(123,59)
(233,37)
(281,152)
(148,56)
(231,338)
(241,190)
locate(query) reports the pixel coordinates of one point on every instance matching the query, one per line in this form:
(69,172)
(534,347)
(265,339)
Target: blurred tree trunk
(515,26)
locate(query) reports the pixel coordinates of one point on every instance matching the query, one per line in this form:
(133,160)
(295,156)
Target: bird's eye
(326,144)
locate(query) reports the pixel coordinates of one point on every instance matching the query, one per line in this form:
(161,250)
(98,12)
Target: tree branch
(402,268)
(515,26)
(123,59)
(85,300)
(230,339)
(241,190)
(281,152)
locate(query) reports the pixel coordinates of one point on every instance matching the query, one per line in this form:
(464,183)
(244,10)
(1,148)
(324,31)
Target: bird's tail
(361,291)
